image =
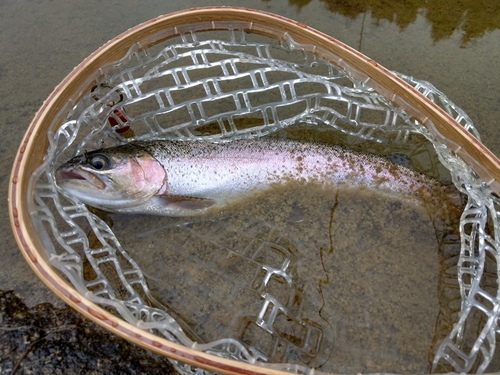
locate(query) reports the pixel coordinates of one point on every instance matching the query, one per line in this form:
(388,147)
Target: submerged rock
(48,340)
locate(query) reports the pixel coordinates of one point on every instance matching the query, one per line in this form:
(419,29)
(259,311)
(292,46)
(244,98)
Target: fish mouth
(80,175)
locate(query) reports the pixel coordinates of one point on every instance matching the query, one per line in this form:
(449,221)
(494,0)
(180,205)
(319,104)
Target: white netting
(227,85)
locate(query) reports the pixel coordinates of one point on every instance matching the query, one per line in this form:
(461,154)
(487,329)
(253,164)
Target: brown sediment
(379,258)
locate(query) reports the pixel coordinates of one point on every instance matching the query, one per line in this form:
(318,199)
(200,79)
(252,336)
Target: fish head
(113,178)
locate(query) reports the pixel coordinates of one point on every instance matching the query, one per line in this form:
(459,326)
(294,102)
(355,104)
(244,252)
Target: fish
(187,178)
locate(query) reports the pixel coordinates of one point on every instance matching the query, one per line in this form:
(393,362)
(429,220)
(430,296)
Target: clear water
(364,272)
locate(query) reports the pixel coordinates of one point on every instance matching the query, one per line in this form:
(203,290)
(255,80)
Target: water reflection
(473,18)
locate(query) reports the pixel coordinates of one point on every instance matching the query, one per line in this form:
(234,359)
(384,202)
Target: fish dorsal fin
(188,203)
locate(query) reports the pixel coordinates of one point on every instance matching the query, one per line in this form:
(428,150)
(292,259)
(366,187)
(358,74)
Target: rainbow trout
(182,178)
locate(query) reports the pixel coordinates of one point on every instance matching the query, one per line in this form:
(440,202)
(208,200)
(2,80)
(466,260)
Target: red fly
(117,119)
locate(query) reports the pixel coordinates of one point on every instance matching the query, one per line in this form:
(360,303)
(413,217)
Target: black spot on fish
(400,159)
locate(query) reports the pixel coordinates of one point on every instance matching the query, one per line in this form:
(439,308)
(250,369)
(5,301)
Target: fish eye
(99,162)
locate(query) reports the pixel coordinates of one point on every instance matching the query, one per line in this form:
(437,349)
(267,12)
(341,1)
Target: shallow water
(456,46)
(358,291)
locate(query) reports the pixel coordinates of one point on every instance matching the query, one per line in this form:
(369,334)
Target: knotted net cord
(225,85)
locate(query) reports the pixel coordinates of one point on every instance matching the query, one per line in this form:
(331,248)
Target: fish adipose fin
(186,203)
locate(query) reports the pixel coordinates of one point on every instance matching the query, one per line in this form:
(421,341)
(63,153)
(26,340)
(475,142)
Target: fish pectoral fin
(188,203)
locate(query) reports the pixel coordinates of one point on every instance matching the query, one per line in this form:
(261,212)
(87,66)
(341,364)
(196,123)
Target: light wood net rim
(34,145)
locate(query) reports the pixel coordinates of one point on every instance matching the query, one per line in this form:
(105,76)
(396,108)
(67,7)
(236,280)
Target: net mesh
(228,84)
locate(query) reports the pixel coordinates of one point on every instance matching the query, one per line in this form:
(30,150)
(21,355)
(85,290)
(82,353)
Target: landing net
(219,86)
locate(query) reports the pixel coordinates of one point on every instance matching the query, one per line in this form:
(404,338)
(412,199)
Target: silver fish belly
(183,178)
